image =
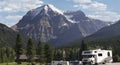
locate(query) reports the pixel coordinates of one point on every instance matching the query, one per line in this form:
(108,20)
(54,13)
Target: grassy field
(13,63)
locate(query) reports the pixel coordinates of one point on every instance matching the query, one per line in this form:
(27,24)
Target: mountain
(7,36)
(106,32)
(49,24)
(88,25)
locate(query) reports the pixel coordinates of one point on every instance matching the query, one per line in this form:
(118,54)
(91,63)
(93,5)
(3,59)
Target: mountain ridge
(50,25)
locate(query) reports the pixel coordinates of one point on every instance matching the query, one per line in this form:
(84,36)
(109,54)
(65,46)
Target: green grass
(13,63)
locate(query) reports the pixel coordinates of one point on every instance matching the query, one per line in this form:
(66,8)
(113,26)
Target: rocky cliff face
(49,24)
(86,25)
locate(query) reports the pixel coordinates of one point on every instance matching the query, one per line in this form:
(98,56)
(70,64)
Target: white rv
(60,63)
(96,57)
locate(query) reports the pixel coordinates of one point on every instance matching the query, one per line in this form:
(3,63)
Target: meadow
(13,63)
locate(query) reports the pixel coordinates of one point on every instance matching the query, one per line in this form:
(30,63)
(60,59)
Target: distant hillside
(106,32)
(7,36)
(106,38)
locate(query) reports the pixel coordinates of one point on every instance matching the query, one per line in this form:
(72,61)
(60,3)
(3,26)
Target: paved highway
(111,64)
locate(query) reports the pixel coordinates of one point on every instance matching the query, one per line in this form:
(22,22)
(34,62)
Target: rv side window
(95,51)
(100,54)
(108,53)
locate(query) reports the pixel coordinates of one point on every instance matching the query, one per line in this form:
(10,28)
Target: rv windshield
(88,56)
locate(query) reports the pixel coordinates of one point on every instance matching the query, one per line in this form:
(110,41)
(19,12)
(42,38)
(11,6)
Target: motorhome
(95,57)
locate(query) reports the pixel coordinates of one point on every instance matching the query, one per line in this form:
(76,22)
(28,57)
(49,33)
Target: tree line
(45,53)
(112,43)
(6,54)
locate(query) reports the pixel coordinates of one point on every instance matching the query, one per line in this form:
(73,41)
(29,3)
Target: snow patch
(65,24)
(48,7)
(55,9)
(35,12)
(68,18)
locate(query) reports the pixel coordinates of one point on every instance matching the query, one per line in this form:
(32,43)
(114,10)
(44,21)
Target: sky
(11,11)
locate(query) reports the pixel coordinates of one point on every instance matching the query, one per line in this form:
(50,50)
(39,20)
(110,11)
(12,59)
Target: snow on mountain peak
(54,9)
(47,7)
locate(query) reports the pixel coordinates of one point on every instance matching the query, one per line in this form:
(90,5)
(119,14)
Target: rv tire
(96,63)
(103,63)
(84,63)
(90,63)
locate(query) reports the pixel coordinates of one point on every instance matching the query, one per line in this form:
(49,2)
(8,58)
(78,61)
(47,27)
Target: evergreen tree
(8,54)
(30,50)
(116,58)
(40,52)
(58,55)
(48,53)
(82,48)
(1,55)
(18,48)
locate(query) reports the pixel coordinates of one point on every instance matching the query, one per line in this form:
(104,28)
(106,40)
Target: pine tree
(82,48)
(40,52)
(18,48)
(2,55)
(48,53)
(58,55)
(8,54)
(30,50)
(116,58)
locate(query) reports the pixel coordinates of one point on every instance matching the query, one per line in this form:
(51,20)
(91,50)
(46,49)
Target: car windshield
(88,56)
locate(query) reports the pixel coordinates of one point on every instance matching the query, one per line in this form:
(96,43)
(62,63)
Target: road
(111,64)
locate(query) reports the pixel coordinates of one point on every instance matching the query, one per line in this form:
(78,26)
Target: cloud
(106,16)
(12,10)
(95,6)
(13,17)
(18,5)
(82,1)
(10,19)
(99,10)
(90,5)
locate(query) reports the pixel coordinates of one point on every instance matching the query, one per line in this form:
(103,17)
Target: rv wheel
(96,63)
(103,63)
(90,63)
(84,63)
